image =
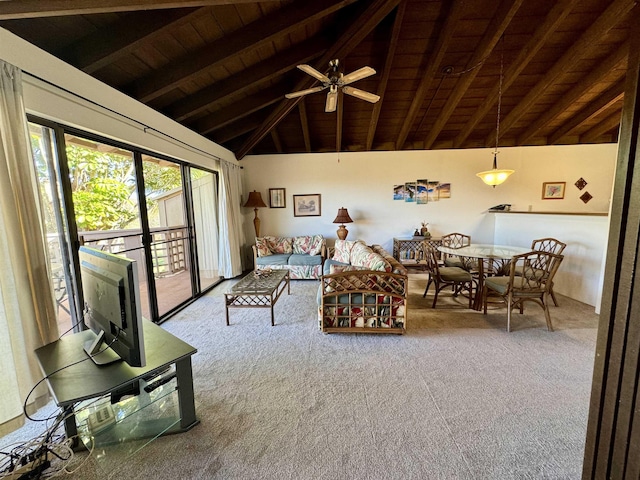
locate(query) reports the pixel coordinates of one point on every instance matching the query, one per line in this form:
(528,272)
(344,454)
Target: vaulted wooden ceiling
(222,67)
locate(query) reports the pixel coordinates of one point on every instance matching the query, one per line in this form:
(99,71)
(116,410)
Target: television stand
(85,380)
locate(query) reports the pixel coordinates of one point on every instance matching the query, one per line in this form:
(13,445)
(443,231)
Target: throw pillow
(280,244)
(262,246)
(308,244)
(342,251)
(315,247)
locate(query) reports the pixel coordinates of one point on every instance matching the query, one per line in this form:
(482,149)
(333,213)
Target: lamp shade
(255,200)
(343,216)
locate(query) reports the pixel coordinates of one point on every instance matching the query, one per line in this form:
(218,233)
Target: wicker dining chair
(442,277)
(529,280)
(455,240)
(549,245)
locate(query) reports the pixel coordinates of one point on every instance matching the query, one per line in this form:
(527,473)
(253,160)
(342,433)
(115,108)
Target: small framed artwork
(277,198)
(553,190)
(306,205)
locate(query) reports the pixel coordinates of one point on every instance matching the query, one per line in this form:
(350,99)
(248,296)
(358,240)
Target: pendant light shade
(494,176)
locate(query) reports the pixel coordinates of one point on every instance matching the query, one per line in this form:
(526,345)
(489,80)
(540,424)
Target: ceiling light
(494,176)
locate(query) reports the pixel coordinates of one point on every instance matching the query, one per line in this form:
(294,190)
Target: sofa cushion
(274,259)
(303,259)
(308,244)
(364,256)
(343,249)
(343,268)
(327,265)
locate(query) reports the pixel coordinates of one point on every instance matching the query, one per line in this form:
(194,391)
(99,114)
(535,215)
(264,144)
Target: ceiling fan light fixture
(332,99)
(335,80)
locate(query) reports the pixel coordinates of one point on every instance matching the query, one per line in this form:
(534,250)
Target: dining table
(485,259)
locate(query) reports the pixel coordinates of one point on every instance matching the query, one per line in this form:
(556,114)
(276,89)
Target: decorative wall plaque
(585,197)
(581,183)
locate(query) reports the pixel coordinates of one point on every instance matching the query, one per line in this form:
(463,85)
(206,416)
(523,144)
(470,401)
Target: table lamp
(342,218)
(255,201)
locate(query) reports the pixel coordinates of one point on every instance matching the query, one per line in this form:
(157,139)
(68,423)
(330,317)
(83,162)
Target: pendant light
(494,176)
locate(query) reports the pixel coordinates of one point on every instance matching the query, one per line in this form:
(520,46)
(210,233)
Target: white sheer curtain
(231,233)
(27,313)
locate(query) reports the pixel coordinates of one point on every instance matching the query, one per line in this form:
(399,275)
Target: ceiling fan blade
(300,93)
(332,100)
(359,74)
(361,94)
(308,69)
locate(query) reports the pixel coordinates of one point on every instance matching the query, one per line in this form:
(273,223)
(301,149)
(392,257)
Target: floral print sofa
(363,289)
(303,256)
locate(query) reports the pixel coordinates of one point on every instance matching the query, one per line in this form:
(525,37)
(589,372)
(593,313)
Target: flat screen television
(112,307)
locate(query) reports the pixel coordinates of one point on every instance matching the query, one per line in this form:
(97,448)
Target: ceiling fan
(335,80)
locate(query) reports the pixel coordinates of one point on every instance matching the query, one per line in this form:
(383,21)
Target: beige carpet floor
(457,397)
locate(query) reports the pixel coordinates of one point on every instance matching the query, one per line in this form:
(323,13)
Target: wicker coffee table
(258,290)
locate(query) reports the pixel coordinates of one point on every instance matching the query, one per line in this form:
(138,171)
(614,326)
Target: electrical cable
(84,313)
(89,357)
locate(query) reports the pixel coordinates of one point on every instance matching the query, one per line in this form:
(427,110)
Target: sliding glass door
(204,194)
(116,198)
(170,238)
(104,191)
(44,150)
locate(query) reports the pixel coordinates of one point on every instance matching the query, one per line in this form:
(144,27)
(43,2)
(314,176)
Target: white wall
(586,239)
(363,183)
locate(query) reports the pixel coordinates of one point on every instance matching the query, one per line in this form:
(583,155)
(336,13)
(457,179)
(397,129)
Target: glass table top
(259,283)
(485,251)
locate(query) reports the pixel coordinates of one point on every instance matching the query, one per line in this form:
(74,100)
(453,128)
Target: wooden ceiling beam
(238,110)
(350,38)
(433,63)
(609,63)
(605,126)
(598,105)
(235,130)
(11,10)
(498,24)
(254,76)
(386,73)
(542,34)
(276,140)
(304,123)
(614,14)
(261,32)
(95,51)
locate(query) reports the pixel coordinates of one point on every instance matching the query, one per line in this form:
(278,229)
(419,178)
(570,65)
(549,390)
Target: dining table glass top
(485,251)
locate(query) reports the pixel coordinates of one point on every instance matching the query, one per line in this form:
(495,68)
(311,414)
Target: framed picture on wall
(553,190)
(277,198)
(307,205)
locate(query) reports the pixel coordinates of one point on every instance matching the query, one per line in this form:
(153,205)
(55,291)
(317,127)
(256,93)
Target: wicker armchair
(442,277)
(456,240)
(549,245)
(530,279)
